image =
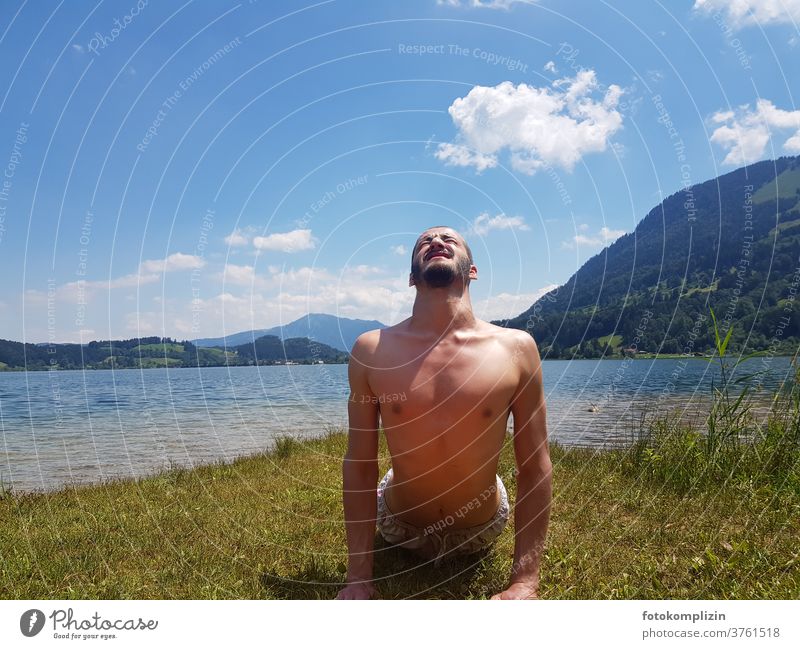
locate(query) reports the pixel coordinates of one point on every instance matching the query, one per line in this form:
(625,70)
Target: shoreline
(286,440)
(165,367)
(659,357)
(127,480)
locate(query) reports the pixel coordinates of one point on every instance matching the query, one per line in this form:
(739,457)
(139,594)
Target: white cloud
(584,240)
(78,48)
(362,270)
(149,272)
(462,156)
(553,125)
(176,261)
(126,281)
(301,277)
(745,133)
(293,241)
(241,275)
(237,238)
(82,291)
(601,238)
(741,13)
(608,235)
(149,323)
(33,297)
(550,66)
(508,305)
(399,250)
(483,223)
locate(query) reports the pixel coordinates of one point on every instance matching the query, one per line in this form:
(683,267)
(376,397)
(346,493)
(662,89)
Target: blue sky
(197,168)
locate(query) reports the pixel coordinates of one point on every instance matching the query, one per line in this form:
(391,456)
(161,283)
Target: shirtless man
(443,384)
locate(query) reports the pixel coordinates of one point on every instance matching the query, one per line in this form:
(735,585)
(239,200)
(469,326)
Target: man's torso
(444,408)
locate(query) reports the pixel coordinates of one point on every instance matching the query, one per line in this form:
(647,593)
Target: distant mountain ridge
(339,333)
(731,243)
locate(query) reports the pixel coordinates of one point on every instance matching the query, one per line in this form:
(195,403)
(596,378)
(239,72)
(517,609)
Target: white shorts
(436,540)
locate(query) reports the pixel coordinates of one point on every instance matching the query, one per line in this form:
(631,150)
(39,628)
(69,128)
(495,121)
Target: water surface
(67,427)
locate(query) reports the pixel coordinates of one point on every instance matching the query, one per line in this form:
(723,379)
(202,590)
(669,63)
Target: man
(443,384)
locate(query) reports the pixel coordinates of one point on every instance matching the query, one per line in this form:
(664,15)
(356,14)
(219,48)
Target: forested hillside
(731,244)
(162,352)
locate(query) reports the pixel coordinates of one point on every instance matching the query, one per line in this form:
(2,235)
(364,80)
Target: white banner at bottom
(153,624)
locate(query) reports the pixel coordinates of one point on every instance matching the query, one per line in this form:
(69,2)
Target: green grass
(270,526)
(788,182)
(786,225)
(158,348)
(148,363)
(143,362)
(219,355)
(700,289)
(613,341)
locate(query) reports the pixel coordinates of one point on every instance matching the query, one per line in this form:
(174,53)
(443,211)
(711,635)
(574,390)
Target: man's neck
(439,311)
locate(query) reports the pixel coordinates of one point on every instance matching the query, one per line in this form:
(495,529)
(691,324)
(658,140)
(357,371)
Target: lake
(73,427)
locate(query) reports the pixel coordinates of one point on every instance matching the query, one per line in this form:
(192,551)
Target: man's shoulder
(368,342)
(519,346)
(509,336)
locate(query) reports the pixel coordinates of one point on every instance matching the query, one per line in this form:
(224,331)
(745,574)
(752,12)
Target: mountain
(731,244)
(339,333)
(270,349)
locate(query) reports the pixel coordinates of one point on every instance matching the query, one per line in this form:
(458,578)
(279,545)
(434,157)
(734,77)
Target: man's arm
(360,473)
(534,473)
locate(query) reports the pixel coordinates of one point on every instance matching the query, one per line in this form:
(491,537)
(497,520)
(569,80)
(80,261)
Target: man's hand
(519,591)
(358,590)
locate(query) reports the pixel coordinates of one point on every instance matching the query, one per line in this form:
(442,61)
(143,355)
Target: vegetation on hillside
(731,244)
(162,352)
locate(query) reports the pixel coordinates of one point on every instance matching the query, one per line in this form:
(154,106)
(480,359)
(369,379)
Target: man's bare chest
(444,379)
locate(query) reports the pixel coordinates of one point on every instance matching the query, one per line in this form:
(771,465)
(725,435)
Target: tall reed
(731,446)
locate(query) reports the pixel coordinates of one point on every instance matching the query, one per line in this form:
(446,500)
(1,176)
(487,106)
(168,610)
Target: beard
(441,275)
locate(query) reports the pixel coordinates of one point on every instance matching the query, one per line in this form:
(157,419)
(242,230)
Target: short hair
(433,227)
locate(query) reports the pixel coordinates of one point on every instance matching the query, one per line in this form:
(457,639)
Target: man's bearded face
(439,264)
